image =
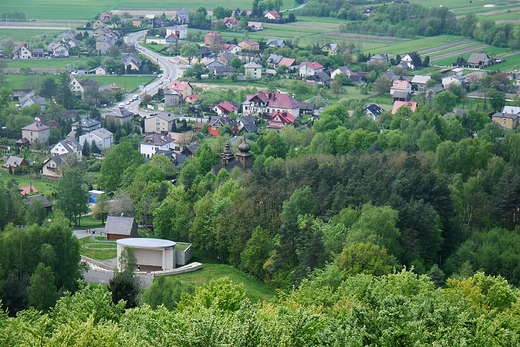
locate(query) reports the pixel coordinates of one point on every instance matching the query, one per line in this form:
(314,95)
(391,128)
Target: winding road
(170,70)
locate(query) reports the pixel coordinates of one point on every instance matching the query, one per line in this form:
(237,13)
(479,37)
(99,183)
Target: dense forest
(331,309)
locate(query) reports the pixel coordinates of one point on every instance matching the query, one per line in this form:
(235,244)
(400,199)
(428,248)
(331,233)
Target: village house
(231,48)
(22,51)
(272,15)
(478,60)
(278,120)
(455,79)
(255,26)
(102,138)
(249,45)
(331,48)
(400,86)
(51,166)
(67,146)
(131,61)
(379,58)
(213,38)
(36,131)
(171,97)
(217,122)
(231,22)
(14,161)
(268,102)
(100,71)
(253,71)
(247,124)
(105,17)
(408,60)
(183,88)
(119,116)
(159,123)
(278,43)
(155,142)
(86,124)
(225,108)
(289,63)
(374,111)
(137,22)
(506,120)
(181,31)
(310,68)
(33,99)
(419,81)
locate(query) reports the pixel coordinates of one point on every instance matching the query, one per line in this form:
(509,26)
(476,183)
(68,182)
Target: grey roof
(252,65)
(13,161)
(87,123)
(145,242)
(156,140)
(275,42)
(119,225)
(177,159)
(36,126)
(190,150)
(102,133)
(219,70)
(477,58)
(165,116)
(274,59)
(70,143)
(401,94)
(249,123)
(46,203)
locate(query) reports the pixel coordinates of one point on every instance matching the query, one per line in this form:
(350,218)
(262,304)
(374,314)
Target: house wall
(42,135)
(160,257)
(50,170)
(506,122)
(157,125)
(254,73)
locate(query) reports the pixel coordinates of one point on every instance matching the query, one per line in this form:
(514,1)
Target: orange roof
(400,85)
(27,190)
(411,104)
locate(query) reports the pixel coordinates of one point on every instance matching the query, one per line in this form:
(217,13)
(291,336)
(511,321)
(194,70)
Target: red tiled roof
(313,65)
(227,107)
(274,14)
(398,104)
(276,100)
(231,20)
(192,97)
(286,62)
(400,85)
(27,190)
(177,85)
(213,33)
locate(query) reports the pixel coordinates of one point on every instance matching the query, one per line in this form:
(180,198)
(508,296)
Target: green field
(127,83)
(58,63)
(97,248)
(43,185)
(26,35)
(255,290)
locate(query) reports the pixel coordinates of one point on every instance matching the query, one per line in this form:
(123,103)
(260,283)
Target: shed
(120,228)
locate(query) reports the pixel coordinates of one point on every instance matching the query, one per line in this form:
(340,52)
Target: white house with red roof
(225,108)
(269,102)
(272,15)
(310,68)
(231,22)
(231,48)
(400,86)
(183,88)
(280,119)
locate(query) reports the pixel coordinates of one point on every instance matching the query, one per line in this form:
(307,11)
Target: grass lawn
(89,222)
(63,63)
(26,35)
(127,83)
(255,289)
(43,185)
(98,248)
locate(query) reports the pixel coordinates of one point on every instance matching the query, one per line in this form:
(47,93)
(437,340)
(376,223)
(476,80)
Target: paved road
(170,70)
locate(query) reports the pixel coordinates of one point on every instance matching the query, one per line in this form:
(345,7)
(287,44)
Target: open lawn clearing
(443,47)
(454,49)
(56,63)
(21,81)
(26,35)
(127,83)
(97,249)
(255,289)
(511,63)
(473,49)
(89,222)
(43,185)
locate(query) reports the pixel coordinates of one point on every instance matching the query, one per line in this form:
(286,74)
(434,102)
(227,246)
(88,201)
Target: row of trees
(330,309)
